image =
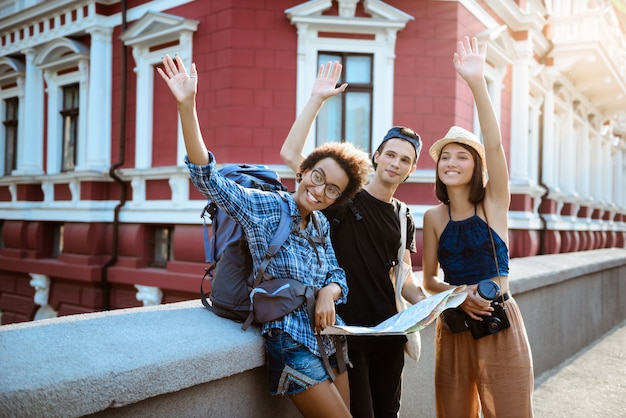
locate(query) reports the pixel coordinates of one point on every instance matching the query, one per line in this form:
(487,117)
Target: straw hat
(461,136)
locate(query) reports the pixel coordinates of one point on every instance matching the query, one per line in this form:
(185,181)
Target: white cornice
(314,7)
(382,14)
(518,19)
(157,25)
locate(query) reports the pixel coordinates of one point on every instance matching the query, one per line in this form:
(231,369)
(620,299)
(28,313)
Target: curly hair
(354,161)
(477,189)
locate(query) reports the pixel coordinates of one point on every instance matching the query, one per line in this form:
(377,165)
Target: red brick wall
(16,297)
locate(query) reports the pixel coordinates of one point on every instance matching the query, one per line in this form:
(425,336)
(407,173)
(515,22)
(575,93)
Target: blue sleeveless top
(466,254)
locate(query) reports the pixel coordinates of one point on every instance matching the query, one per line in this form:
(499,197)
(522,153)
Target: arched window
(65,66)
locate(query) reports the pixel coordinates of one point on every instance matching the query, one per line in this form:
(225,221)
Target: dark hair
(477,189)
(404,133)
(351,159)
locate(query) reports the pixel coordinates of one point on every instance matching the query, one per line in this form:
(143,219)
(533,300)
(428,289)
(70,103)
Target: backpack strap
(209,256)
(401,211)
(280,236)
(319,239)
(340,214)
(339,340)
(354,210)
(209,210)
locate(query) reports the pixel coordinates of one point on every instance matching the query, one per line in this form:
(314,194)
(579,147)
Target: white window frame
(12,72)
(384,25)
(152,30)
(63,54)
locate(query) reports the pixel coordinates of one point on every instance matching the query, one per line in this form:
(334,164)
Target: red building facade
(96,208)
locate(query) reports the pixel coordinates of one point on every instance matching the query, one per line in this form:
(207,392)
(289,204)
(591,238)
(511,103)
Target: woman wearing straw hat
(482,356)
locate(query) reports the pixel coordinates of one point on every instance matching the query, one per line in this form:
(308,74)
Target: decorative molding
(384,24)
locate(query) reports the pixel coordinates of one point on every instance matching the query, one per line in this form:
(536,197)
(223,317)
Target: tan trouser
(494,373)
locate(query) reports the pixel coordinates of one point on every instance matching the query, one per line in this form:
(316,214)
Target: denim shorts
(291,367)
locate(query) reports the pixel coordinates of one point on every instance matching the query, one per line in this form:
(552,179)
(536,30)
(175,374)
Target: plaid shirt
(258,213)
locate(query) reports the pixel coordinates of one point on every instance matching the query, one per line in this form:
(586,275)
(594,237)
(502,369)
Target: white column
(549,143)
(97,153)
(619,172)
(567,170)
(30,145)
(520,97)
(584,158)
(596,169)
(54,148)
(83,134)
(533,140)
(606,172)
(145,94)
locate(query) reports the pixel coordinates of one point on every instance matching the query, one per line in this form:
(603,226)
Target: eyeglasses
(330,190)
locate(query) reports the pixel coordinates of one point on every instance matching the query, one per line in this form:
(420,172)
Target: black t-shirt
(366,236)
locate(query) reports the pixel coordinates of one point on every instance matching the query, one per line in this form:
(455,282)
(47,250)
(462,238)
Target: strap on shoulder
(209,249)
(320,239)
(354,210)
(401,210)
(280,236)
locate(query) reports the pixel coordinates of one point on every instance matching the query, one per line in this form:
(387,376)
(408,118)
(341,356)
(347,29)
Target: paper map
(412,319)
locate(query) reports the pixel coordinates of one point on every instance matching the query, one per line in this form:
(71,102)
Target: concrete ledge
(81,364)
(181,360)
(528,273)
(568,301)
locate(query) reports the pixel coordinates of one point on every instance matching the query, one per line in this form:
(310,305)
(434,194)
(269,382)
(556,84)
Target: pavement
(591,384)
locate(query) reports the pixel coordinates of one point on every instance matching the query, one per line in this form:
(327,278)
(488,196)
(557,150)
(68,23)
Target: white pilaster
(30,145)
(97,153)
(143,113)
(83,114)
(549,151)
(604,150)
(584,152)
(520,102)
(567,169)
(54,149)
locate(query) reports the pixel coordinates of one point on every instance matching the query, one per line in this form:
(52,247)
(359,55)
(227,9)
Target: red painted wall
(245,52)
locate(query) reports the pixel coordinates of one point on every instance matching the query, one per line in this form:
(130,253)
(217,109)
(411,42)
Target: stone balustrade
(181,360)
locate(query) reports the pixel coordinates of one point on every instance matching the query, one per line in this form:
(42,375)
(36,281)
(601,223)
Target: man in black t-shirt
(366,238)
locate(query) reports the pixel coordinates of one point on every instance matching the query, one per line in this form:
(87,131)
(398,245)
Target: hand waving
(469,61)
(326,81)
(183,86)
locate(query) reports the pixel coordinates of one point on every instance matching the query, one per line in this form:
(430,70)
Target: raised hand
(183,86)
(469,60)
(326,81)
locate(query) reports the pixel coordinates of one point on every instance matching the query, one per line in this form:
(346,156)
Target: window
(10,135)
(65,64)
(162,244)
(348,116)
(151,36)
(69,114)
(366,47)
